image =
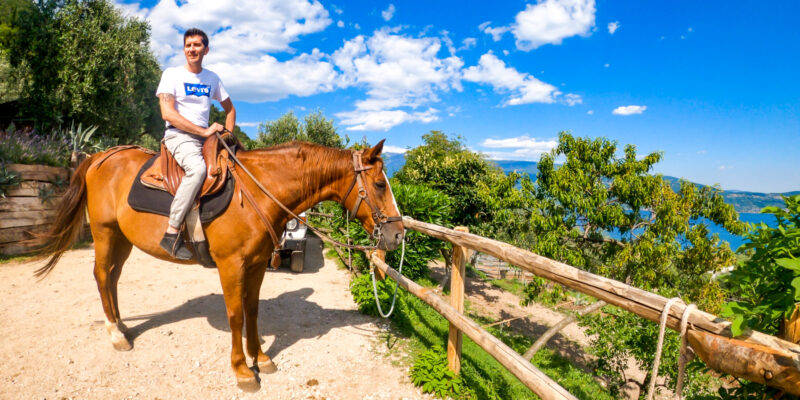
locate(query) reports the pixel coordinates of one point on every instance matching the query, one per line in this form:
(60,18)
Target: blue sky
(711,84)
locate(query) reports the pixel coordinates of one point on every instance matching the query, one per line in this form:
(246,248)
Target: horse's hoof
(122,345)
(267,367)
(120,342)
(249,385)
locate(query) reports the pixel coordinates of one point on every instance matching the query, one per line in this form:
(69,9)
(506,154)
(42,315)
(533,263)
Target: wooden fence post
(457,275)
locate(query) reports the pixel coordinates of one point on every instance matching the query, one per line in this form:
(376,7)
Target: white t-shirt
(193,93)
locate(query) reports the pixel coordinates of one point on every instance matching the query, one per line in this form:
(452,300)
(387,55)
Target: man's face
(194,50)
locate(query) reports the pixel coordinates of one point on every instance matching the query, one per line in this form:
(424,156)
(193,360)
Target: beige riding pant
(187,150)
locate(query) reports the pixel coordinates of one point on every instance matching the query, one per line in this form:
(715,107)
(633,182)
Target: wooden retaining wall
(30,206)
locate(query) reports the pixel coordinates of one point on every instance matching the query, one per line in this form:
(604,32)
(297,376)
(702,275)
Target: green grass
(510,285)
(425,328)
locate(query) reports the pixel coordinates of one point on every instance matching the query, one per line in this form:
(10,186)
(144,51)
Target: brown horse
(299,175)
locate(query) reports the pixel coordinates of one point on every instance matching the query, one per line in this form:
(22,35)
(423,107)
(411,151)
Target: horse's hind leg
(111,249)
(251,299)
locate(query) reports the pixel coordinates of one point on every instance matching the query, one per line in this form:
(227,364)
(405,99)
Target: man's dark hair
(196,32)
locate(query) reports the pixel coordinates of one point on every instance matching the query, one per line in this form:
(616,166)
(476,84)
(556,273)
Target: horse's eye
(380,185)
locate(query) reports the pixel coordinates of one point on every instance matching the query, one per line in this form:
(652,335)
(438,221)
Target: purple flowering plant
(26,146)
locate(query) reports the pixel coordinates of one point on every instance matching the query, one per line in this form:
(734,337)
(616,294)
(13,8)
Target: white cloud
(497,33)
(590,112)
(725,167)
(551,21)
(468,43)
(267,79)
(524,87)
(524,148)
(629,110)
(340,24)
(400,74)
(606,65)
(394,149)
(241,34)
(388,13)
(613,26)
(248,124)
(572,99)
(383,120)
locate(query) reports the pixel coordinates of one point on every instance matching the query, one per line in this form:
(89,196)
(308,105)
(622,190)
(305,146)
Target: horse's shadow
(289,317)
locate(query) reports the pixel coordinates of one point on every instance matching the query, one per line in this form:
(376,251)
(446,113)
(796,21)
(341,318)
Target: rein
(359,170)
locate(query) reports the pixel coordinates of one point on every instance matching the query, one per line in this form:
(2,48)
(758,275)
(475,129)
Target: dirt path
(53,344)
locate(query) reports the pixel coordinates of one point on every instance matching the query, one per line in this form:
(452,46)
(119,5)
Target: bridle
(378,217)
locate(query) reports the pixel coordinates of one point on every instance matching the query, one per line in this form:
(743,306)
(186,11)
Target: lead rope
(684,355)
(349,256)
(375,286)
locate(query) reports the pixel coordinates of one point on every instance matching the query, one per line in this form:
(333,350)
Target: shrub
(423,204)
(430,371)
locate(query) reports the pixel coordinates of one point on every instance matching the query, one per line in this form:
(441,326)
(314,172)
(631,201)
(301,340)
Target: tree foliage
(314,128)
(478,189)
(217,115)
(609,215)
(84,61)
(766,287)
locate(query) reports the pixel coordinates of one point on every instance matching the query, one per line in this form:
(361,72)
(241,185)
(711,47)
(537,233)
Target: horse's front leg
(251,300)
(232,279)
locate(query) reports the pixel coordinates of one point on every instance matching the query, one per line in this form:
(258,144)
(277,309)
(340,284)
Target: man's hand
(211,130)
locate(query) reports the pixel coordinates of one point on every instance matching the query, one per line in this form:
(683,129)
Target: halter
(363,196)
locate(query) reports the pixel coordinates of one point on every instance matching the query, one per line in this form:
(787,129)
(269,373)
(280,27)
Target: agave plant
(80,141)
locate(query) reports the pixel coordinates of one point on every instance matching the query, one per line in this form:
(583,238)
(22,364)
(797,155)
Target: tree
(83,61)
(607,214)
(217,115)
(766,287)
(476,187)
(610,216)
(315,128)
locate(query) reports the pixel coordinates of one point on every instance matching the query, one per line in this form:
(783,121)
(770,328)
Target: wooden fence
(754,356)
(30,206)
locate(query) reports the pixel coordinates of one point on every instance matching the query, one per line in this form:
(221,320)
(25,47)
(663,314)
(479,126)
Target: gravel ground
(54,344)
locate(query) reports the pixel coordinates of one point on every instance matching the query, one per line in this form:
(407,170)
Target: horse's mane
(321,165)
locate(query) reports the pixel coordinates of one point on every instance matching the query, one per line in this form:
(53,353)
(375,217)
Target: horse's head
(370,199)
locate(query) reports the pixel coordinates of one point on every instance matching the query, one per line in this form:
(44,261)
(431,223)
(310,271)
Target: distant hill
(743,202)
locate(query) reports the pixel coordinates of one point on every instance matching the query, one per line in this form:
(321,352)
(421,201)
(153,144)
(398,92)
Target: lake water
(734,240)
(737,241)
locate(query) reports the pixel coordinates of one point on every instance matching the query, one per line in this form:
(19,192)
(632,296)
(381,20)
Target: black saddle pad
(145,199)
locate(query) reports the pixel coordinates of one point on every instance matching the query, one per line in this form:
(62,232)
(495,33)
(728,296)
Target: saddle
(165,173)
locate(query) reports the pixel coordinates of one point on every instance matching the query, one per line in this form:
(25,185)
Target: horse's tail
(69,219)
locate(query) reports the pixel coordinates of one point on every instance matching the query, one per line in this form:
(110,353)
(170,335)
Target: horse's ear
(372,154)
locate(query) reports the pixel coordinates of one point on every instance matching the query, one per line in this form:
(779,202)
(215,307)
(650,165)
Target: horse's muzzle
(391,236)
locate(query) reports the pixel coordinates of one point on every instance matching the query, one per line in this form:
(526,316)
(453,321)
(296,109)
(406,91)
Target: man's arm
(230,113)
(170,114)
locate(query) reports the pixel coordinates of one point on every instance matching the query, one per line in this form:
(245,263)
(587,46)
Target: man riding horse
(186,93)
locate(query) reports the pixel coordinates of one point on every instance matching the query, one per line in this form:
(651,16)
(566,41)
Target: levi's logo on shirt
(197,89)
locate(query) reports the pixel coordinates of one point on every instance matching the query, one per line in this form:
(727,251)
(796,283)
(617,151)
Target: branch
(542,340)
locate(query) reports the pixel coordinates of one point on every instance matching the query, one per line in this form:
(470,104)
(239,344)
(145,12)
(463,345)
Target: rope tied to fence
(684,357)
